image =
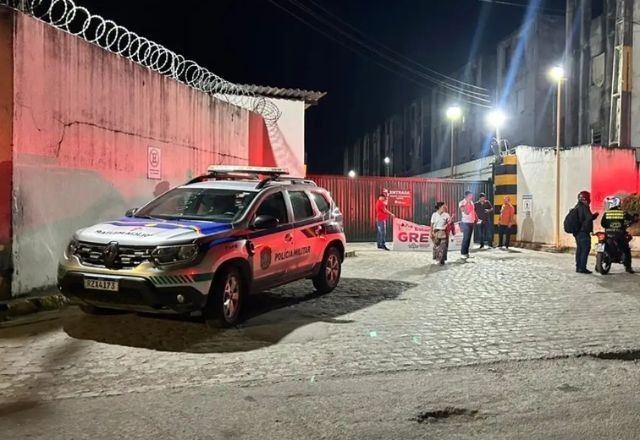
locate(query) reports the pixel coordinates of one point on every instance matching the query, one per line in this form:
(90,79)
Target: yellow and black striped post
(505,185)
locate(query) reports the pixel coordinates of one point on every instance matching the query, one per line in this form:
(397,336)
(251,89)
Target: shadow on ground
(292,314)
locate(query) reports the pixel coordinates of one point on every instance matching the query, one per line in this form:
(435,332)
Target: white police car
(206,245)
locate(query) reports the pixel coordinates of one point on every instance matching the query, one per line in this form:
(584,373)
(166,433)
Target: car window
(274,206)
(321,202)
(301,205)
(208,204)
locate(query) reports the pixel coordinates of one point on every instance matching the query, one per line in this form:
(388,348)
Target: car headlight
(166,255)
(72,248)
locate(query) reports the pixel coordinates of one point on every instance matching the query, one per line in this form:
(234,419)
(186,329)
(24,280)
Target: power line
(390,50)
(366,56)
(521,5)
(471,94)
(457,90)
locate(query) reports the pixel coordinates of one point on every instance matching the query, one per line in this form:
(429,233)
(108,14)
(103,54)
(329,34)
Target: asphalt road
(552,399)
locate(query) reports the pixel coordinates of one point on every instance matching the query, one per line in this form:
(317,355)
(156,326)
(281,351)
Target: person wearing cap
(583,236)
(484,209)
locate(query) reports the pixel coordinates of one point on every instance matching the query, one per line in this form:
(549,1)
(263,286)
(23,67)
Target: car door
(272,246)
(307,235)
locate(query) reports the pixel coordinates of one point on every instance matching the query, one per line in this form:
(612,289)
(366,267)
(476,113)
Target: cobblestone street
(392,312)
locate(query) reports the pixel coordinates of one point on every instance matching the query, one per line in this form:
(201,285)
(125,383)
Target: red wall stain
(614,171)
(260,149)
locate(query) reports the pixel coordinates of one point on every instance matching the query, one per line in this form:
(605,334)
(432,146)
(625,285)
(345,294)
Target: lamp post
(556,74)
(352,174)
(454,113)
(387,163)
(496,119)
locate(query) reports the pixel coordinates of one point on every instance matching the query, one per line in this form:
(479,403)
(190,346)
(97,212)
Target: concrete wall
(536,178)
(83,121)
(6,149)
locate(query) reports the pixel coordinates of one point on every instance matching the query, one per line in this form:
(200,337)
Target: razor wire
(108,35)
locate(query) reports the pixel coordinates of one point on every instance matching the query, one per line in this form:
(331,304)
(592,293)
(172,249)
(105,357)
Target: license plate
(600,247)
(101,284)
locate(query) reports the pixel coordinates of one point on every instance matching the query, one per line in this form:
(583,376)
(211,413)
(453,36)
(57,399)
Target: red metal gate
(356,198)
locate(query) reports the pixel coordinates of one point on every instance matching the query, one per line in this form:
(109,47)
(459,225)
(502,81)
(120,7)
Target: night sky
(254,42)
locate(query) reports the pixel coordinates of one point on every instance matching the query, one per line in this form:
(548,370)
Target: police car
(204,247)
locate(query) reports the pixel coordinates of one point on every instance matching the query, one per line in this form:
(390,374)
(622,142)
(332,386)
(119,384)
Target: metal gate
(356,197)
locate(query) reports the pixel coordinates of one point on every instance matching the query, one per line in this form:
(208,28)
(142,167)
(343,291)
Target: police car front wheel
(330,271)
(224,306)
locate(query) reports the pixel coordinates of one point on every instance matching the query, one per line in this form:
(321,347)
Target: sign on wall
(408,236)
(527,204)
(154,163)
(401,197)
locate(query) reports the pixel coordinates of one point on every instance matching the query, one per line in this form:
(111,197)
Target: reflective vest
(615,219)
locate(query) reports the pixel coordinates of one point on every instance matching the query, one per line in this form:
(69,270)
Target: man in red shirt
(382,214)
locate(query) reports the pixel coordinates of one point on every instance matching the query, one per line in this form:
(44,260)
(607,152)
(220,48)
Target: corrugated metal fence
(357,197)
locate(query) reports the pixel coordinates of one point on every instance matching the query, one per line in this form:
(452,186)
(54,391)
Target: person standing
(440,226)
(484,209)
(468,220)
(584,229)
(382,214)
(507,220)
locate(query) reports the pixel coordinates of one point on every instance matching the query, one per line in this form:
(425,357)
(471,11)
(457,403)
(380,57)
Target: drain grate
(443,414)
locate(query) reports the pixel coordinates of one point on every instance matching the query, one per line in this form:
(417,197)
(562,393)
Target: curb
(28,305)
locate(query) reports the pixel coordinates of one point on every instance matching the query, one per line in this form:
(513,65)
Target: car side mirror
(265,222)
(131,212)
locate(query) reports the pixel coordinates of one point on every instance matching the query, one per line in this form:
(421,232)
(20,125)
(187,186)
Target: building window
(597,70)
(520,101)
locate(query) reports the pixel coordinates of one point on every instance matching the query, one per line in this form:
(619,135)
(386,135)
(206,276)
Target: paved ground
(568,399)
(393,312)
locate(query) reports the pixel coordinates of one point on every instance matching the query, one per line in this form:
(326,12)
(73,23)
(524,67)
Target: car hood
(150,232)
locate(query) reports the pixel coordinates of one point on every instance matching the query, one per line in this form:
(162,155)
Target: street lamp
(387,162)
(454,113)
(557,75)
(496,119)
(352,174)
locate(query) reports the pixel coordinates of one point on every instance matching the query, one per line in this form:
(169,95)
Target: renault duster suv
(205,246)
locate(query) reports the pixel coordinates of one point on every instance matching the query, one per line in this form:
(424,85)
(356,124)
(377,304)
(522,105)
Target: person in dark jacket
(484,210)
(583,236)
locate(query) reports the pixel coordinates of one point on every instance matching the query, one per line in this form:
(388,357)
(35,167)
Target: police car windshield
(205,204)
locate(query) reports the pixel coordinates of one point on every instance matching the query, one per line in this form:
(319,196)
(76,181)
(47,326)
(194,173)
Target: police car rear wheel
(330,272)
(225,304)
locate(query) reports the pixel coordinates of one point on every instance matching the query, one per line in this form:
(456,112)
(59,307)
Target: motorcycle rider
(615,222)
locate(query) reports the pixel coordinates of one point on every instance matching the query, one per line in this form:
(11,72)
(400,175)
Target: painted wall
(536,178)
(83,121)
(281,144)
(6,150)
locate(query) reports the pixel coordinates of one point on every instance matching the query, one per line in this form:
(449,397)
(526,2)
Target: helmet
(613,202)
(585,195)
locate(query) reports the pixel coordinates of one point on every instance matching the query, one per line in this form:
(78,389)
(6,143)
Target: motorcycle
(608,251)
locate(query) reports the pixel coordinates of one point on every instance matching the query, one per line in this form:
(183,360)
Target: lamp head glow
(454,113)
(387,161)
(352,174)
(496,118)
(556,73)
